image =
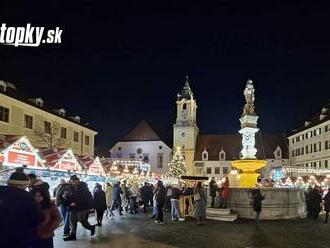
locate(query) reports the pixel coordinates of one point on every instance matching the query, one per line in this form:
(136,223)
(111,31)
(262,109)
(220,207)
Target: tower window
(184,106)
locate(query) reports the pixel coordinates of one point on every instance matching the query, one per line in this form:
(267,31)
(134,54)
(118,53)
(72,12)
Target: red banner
(21,158)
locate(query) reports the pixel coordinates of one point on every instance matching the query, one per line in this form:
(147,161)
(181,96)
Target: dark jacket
(327,201)
(160,195)
(213,188)
(82,197)
(39,184)
(116,193)
(176,193)
(99,200)
(63,192)
(257,199)
(20,215)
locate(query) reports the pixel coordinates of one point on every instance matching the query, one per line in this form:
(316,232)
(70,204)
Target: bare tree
(50,136)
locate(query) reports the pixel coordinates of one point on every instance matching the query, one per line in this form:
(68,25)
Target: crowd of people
(26,203)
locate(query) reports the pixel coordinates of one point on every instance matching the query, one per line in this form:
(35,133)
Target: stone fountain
(279,203)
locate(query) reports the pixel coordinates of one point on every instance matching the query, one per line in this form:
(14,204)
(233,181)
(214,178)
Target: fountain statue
(248,164)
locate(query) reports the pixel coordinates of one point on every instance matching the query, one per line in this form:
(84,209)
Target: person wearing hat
(81,202)
(20,211)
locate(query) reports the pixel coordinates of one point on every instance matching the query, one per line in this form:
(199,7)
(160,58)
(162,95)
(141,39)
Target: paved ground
(140,231)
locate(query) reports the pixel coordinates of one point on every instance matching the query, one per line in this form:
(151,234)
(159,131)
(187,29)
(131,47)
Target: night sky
(122,62)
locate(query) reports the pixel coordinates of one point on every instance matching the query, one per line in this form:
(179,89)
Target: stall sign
(21,158)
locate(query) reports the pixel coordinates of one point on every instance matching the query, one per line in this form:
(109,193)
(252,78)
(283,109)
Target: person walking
(257,199)
(108,197)
(134,194)
(144,196)
(326,200)
(63,194)
(200,203)
(45,231)
(168,197)
(99,203)
(213,191)
(160,201)
(20,211)
(225,193)
(81,201)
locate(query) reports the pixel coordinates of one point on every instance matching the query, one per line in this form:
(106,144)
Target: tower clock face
(183,134)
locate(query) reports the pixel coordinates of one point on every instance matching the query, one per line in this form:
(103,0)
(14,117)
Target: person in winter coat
(144,196)
(100,204)
(225,193)
(213,190)
(117,198)
(257,199)
(63,193)
(109,199)
(20,211)
(160,201)
(45,231)
(327,206)
(81,202)
(200,203)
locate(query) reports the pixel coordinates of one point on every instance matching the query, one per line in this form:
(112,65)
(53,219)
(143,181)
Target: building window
(119,148)
(159,160)
(160,147)
(87,140)
(75,136)
(208,170)
(317,131)
(47,127)
(184,106)
(292,153)
(217,170)
(327,144)
(205,155)
(222,155)
(307,150)
(225,170)
(4,114)
(199,164)
(325,163)
(139,151)
(293,141)
(28,121)
(63,132)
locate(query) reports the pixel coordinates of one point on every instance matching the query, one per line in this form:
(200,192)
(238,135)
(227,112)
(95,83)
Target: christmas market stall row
(50,164)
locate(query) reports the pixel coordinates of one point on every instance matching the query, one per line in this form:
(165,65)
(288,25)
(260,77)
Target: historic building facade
(211,155)
(43,126)
(143,144)
(309,145)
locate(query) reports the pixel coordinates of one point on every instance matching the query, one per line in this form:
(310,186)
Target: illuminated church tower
(185,128)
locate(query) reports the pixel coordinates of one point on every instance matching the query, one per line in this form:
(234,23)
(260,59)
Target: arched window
(205,155)
(222,155)
(184,106)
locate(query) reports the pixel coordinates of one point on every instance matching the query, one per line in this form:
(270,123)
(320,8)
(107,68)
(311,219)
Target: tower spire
(186,91)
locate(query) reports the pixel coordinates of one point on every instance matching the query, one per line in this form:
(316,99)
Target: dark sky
(122,62)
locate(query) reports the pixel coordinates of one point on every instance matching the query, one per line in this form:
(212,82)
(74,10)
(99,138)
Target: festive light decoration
(177,167)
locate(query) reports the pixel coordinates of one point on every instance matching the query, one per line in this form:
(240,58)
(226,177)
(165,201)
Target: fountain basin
(248,177)
(279,203)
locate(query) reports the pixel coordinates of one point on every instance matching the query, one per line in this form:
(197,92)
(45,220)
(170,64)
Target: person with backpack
(81,202)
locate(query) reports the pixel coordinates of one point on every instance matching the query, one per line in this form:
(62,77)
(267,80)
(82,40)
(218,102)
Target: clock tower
(185,128)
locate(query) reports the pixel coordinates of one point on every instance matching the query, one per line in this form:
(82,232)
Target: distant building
(211,155)
(309,145)
(142,143)
(43,126)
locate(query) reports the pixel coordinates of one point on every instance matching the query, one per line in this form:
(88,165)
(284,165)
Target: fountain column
(249,162)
